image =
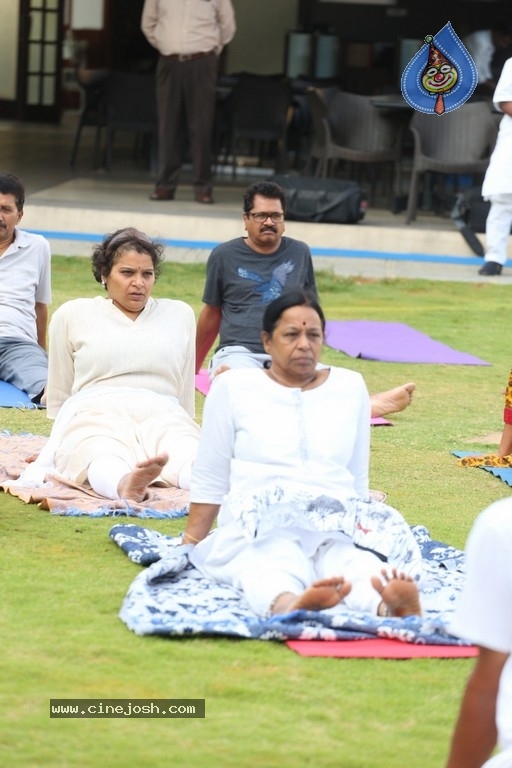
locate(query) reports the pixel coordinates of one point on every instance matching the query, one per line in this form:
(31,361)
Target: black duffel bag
(469,214)
(333,201)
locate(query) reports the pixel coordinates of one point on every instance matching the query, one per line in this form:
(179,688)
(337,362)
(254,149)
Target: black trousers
(185,92)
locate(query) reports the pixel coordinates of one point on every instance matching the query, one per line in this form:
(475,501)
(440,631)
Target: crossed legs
(399,595)
(277,576)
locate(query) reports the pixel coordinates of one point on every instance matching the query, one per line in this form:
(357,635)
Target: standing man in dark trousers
(189,36)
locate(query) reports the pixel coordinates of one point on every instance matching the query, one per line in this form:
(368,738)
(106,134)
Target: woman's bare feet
(134,485)
(322,594)
(392,400)
(399,593)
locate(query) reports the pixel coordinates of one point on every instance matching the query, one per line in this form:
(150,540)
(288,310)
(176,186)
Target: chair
(322,149)
(458,142)
(347,126)
(258,109)
(92,82)
(130,99)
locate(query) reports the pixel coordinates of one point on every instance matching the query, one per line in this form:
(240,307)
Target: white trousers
(497,228)
(272,565)
(105,472)
(115,424)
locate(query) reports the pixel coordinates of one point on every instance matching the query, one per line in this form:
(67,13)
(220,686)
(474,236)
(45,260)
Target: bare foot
(134,485)
(392,400)
(399,593)
(322,594)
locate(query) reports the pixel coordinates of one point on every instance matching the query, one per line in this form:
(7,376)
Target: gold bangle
(193,538)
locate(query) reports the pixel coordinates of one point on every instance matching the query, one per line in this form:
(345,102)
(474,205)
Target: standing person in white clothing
(121,379)
(484,45)
(283,462)
(25,292)
(484,616)
(497,186)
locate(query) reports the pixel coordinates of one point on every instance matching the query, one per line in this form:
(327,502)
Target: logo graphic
(273,288)
(441,76)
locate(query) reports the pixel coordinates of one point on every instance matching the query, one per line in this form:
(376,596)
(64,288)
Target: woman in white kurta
(283,461)
(121,378)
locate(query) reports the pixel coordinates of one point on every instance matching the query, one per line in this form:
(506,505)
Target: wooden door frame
(40,113)
(17,108)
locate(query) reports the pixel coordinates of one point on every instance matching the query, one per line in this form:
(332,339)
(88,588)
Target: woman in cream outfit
(121,379)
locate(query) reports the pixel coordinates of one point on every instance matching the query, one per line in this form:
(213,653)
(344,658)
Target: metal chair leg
(413,197)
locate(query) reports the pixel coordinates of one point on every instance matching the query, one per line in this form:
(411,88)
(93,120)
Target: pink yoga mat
(202,381)
(379,648)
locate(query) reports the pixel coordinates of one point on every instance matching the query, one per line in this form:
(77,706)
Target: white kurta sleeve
(211,469)
(187,396)
(60,361)
(360,461)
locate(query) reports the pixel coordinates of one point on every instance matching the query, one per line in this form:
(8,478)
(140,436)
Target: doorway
(31,41)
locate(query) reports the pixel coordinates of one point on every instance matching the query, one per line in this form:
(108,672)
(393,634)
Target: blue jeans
(24,364)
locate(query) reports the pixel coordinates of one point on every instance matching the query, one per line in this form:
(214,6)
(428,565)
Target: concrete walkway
(77,212)
(74,207)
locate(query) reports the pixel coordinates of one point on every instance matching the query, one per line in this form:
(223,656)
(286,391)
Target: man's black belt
(188,56)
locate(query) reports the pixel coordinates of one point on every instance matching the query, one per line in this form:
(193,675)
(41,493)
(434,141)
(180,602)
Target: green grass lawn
(64,581)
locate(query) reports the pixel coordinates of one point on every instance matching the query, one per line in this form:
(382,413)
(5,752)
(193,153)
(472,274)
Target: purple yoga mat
(392,343)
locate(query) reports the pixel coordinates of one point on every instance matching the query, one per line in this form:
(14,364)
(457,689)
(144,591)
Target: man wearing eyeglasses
(244,275)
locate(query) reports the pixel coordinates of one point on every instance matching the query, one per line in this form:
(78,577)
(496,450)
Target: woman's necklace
(312,380)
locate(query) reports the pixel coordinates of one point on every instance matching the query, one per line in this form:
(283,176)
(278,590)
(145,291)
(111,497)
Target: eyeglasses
(277,218)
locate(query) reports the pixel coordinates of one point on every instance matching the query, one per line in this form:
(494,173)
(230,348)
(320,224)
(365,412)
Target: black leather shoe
(490,269)
(162,193)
